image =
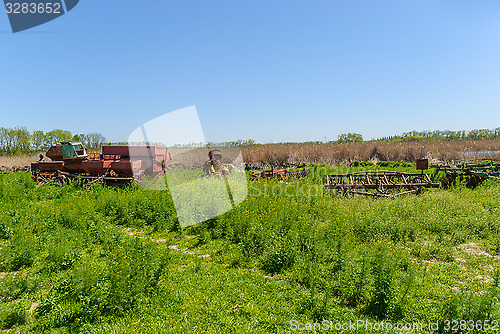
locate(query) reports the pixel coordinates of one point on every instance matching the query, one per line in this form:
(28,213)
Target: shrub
(12,314)
(5,231)
(279,254)
(315,306)
(382,272)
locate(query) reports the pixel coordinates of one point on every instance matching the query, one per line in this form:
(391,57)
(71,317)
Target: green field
(109,260)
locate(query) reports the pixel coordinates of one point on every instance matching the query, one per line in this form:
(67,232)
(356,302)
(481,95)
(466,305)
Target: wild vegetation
(446,135)
(436,151)
(101,260)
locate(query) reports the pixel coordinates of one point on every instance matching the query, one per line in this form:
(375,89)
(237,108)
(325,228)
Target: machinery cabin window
(79,150)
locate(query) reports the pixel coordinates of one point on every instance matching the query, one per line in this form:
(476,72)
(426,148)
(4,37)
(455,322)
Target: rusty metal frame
(281,173)
(64,177)
(58,169)
(474,173)
(485,169)
(379,183)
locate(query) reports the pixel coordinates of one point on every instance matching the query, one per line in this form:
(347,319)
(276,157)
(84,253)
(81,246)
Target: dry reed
(443,151)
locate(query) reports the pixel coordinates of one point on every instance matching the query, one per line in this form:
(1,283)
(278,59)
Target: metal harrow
(379,183)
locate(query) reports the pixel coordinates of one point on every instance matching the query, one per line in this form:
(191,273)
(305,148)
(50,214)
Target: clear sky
(265,70)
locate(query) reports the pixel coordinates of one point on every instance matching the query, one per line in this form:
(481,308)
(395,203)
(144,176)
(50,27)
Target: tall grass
(98,260)
(445,151)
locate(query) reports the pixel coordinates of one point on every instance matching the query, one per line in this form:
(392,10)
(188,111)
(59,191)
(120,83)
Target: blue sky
(262,70)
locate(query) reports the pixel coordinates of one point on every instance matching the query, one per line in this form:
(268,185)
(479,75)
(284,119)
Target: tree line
(19,140)
(446,135)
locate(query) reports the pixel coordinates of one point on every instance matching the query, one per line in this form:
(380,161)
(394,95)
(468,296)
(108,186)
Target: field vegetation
(115,260)
(341,153)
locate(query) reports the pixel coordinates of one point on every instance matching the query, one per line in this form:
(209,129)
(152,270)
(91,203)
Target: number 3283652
(33,8)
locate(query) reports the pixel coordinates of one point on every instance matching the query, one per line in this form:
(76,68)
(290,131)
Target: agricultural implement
(473,173)
(382,183)
(281,173)
(214,165)
(115,166)
(379,183)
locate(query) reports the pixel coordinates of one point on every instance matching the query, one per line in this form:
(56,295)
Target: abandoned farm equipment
(117,165)
(382,183)
(214,166)
(473,173)
(281,173)
(379,183)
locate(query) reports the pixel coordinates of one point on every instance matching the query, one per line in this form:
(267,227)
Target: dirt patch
(473,249)
(11,274)
(186,251)
(33,307)
(135,234)
(484,278)
(160,240)
(129,232)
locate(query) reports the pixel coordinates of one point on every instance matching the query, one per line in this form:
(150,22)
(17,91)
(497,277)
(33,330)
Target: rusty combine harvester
(474,173)
(281,173)
(381,183)
(115,166)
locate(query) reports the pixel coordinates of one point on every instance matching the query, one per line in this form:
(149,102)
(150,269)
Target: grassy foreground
(104,260)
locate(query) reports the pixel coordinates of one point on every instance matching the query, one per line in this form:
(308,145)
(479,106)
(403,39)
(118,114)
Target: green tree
(22,140)
(56,136)
(350,138)
(37,140)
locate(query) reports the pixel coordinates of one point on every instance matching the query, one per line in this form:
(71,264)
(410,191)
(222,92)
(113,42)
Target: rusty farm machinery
(381,183)
(214,165)
(281,173)
(473,173)
(117,165)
